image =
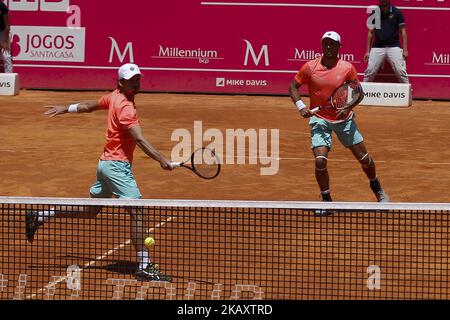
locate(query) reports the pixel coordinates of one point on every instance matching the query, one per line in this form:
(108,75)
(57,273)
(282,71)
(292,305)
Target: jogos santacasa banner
(203,46)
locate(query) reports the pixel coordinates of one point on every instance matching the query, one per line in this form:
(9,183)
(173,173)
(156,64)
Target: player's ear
(119,83)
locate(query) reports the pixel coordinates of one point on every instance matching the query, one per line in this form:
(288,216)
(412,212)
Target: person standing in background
(384,43)
(5,42)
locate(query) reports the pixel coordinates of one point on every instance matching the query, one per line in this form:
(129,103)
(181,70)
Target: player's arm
(370,34)
(295,96)
(404,41)
(360,98)
(82,107)
(352,76)
(402,28)
(147,147)
(359,91)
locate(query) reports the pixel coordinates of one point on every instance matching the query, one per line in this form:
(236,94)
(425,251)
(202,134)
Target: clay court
(57,157)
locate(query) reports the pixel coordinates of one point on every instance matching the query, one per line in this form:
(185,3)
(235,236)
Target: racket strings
(205,163)
(340,97)
(346,95)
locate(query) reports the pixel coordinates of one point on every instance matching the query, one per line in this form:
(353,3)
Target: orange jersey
(322,82)
(122,116)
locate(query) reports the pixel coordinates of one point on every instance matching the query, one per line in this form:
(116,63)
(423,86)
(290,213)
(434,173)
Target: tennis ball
(149,242)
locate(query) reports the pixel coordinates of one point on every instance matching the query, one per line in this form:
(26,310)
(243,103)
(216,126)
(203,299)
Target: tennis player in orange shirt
(323,75)
(114,174)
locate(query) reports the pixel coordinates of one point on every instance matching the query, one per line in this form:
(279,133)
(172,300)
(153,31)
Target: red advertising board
(204,46)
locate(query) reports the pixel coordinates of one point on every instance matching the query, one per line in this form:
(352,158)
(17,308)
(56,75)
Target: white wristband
(73,108)
(300,105)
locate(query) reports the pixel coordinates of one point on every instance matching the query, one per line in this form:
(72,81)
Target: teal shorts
(115,178)
(346,131)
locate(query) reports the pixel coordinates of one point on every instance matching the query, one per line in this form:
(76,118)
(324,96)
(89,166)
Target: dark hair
(119,87)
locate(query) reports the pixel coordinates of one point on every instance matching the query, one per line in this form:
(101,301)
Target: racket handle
(175,164)
(315,109)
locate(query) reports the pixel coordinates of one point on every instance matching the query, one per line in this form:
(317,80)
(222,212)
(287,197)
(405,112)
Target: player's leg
(147,270)
(321,172)
(34,219)
(321,142)
(100,189)
(6,56)
(350,136)
(322,178)
(124,186)
(365,159)
(376,59)
(398,63)
(368,165)
(7,62)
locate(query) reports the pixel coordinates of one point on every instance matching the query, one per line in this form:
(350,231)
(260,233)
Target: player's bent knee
(365,161)
(321,163)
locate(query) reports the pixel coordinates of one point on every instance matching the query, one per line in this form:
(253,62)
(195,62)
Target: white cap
(128,71)
(332,35)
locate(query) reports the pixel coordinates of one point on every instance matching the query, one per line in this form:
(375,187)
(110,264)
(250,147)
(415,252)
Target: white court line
(414,75)
(99,258)
(47,152)
(427,75)
(235,157)
(296,159)
(268,158)
(437,64)
(342,160)
(310,5)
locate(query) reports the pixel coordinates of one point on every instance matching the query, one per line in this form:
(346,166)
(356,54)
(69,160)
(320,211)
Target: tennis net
(222,250)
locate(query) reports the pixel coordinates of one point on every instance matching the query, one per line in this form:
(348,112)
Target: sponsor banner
(202,56)
(241,83)
(9,84)
(203,46)
(386,94)
(48,43)
(38,5)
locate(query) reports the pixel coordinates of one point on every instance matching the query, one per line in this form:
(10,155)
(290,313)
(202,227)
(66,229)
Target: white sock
(44,216)
(143,258)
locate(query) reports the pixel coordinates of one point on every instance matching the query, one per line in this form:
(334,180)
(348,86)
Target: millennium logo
(443,58)
(306,55)
(203,56)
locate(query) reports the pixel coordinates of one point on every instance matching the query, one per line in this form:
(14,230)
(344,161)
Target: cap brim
(331,39)
(128,77)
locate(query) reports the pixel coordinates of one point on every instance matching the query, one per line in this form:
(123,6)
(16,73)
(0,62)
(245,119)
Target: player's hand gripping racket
(345,97)
(203,162)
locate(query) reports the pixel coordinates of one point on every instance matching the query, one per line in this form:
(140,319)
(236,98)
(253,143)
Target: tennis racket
(203,162)
(346,96)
